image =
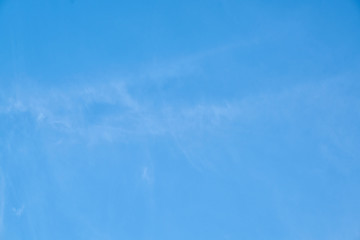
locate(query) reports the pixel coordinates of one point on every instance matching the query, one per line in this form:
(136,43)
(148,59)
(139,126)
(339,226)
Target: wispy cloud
(18,211)
(108,111)
(147,175)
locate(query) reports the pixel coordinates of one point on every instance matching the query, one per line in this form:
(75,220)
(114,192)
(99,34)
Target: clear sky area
(179,120)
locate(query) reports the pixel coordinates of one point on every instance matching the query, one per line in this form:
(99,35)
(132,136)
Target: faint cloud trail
(18,211)
(109,111)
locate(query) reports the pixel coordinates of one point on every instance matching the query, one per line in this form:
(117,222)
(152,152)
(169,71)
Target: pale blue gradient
(216,119)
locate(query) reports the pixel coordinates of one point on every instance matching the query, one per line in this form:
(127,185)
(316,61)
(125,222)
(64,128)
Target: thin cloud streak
(109,112)
(72,111)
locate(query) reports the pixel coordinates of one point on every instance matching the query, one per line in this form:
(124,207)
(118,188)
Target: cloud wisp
(110,112)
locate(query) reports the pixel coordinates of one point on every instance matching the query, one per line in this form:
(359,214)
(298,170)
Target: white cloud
(18,211)
(72,112)
(146,175)
(80,113)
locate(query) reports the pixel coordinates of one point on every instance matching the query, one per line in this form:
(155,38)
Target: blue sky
(216,119)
